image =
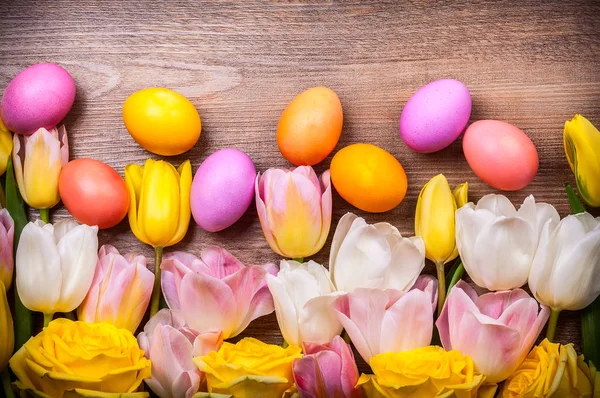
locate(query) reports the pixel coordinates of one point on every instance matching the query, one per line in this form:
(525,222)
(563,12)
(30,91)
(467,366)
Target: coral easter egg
(435,115)
(368,177)
(162,121)
(223,189)
(93,192)
(310,126)
(39,96)
(500,154)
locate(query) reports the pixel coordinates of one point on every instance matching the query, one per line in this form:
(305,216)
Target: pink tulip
(327,370)
(497,329)
(294,209)
(120,290)
(7,233)
(170,345)
(379,321)
(216,291)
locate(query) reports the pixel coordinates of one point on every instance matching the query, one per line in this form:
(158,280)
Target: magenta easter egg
(39,96)
(435,115)
(223,189)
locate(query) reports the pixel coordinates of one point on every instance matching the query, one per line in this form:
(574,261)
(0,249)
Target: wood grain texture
(530,63)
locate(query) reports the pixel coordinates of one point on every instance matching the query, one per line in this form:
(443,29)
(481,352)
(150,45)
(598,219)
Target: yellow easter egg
(368,177)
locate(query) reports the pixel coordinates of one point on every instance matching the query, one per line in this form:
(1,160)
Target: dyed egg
(39,96)
(93,192)
(162,121)
(500,154)
(223,189)
(310,126)
(368,177)
(435,115)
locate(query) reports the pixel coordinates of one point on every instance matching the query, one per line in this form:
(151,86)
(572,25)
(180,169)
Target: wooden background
(531,63)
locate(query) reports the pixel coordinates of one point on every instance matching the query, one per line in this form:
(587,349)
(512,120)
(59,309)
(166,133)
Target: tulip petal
(317,322)
(342,229)
(133,180)
(326,210)
(319,375)
(174,267)
(461,299)
(262,215)
(498,205)
(38,267)
(408,260)
(220,262)
(185,187)
(7,233)
(428,284)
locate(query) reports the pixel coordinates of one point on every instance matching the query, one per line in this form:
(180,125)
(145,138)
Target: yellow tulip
(582,148)
(425,372)
(7,337)
(159,210)
(249,368)
(553,370)
(6,146)
(38,160)
(80,359)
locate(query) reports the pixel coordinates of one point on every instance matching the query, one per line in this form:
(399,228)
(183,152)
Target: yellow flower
(553,370)
(73,359)
(6,146)
(249,368)
(434,218)
(159,211)
(425,372)
(582,148)
(38,160)
(7,339)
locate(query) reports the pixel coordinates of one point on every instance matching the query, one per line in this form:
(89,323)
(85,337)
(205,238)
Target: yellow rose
(425,373)
(249,368)
(552,370)
(79,359)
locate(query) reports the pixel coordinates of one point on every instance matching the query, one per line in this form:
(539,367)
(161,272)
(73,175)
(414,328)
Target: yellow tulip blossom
(80,359)
(582,148)
(425,372)
(6,146)
(249,368)
(7,337)
(552,370)
(159,210)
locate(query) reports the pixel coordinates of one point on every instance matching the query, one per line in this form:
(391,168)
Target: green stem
(45,215)
(8,391)
(456,276)
(155,300)
(552,324)
(285,344)
(48,319)
(299,259)
(70,315)
(439,266)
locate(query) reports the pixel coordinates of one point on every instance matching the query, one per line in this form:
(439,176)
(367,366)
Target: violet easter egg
(223,189)
(435,115)
(39,96)
(500,154)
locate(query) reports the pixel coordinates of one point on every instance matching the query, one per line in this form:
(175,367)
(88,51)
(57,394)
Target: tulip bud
(7,233)
(6,146)
(434,218)
(582,148)
(7,338)
(38,159)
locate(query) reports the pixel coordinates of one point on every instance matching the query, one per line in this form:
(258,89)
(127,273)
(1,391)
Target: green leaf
(576,205)
(455,274)
(16,208)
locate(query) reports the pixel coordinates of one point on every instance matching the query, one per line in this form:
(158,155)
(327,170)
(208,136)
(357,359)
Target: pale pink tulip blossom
(7,234)
(120,290)
(380,321)
(497,329)
(294,208)
(327,370)
(216,291)
(171,345)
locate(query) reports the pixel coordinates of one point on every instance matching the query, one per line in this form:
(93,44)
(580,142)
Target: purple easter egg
(39,96)
(435,115)
(223,189)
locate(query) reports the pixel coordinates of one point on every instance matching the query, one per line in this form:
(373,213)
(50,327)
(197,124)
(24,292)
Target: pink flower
(7,234)
(216,291)
(294,209)
(380,321)
(497,329)
(327,370)
(170,345)
(120,290)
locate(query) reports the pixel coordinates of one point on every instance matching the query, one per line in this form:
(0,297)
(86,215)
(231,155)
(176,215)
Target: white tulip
(374,256)
(303,294)
(55,265)
(497,243)
(565,274)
